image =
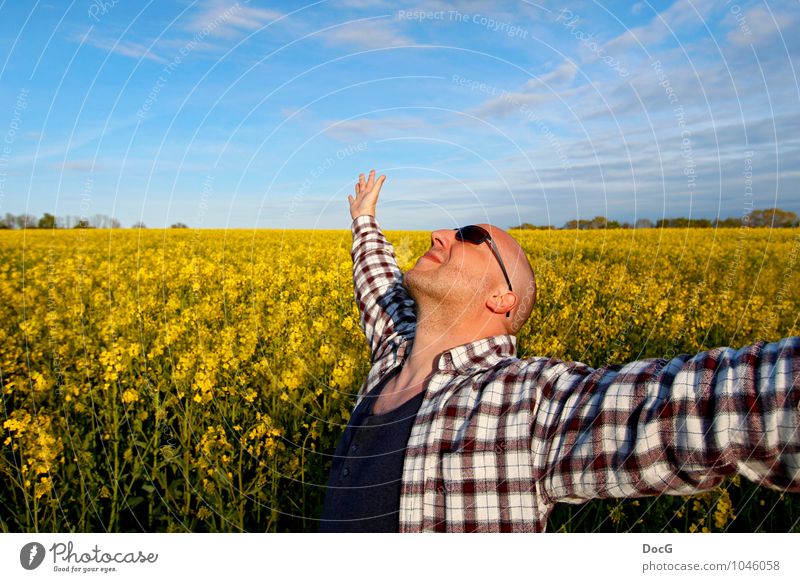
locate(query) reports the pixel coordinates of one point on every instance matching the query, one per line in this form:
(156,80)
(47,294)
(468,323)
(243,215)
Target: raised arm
(385,306)
(668,426)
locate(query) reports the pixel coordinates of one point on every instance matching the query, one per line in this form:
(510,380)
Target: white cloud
(563,74)
(509,103)
(123,48)
(682,15)
(757,25)
(366,34)
(229,19)
(215,18)
(172,46)
(537,91)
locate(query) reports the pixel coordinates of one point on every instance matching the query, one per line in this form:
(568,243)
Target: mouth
(431,257)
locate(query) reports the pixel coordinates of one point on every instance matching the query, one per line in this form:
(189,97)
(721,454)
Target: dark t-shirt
(363,493)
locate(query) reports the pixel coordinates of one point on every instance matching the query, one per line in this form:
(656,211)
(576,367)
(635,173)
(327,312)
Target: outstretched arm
(668,426)
(386,309)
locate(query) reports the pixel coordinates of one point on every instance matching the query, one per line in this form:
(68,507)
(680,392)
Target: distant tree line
(23,221)
(764,218)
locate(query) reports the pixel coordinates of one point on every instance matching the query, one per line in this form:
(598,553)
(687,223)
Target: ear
(501,302)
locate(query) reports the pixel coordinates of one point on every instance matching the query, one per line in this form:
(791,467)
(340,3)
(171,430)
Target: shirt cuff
(363,222)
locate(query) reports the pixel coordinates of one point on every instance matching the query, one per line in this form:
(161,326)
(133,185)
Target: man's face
(455,273)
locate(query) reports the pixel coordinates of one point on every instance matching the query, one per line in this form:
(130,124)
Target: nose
(442,238)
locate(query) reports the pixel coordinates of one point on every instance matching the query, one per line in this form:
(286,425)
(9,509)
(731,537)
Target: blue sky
(225,114)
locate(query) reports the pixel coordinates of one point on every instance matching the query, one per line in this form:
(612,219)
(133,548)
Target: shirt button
(345,471)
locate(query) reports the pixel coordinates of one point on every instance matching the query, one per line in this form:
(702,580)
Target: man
(452,432)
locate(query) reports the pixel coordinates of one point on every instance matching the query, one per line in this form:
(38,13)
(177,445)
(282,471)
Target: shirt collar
(480,354)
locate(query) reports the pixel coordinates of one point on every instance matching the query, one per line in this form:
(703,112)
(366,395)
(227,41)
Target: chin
(415,283)
(423,284)
(408,279)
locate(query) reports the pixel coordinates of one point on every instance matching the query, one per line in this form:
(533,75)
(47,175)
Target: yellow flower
(724,510)
(43,487)
(129,396)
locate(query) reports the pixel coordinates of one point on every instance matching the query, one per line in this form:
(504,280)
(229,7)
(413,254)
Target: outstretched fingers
(365,199)
(370,185)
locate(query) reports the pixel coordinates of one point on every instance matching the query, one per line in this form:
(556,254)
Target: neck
(434,335)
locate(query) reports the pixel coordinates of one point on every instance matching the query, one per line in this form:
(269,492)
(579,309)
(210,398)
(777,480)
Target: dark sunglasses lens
(473,234)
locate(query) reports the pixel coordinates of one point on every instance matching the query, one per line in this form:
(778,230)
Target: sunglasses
(477,235)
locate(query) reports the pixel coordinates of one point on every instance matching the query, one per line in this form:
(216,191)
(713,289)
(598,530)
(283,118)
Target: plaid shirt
(499,440)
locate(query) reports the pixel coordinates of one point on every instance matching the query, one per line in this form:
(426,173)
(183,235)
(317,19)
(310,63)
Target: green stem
(303,476)
(186,461)
(115,488)
(154,444)
(35,511)
(243,498)
(24,490)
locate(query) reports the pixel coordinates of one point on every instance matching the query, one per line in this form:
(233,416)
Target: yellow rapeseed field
(197,380)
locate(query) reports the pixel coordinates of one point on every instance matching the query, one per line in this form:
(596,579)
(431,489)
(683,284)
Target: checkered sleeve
(386,307)
(669,426)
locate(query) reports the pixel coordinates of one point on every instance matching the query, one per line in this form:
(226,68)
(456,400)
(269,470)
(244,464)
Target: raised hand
(366,198)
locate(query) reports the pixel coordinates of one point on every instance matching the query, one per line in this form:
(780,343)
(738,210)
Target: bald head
(459,284)
(521,274)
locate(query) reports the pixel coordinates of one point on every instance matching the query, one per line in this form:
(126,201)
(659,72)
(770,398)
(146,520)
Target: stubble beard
(438,301)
